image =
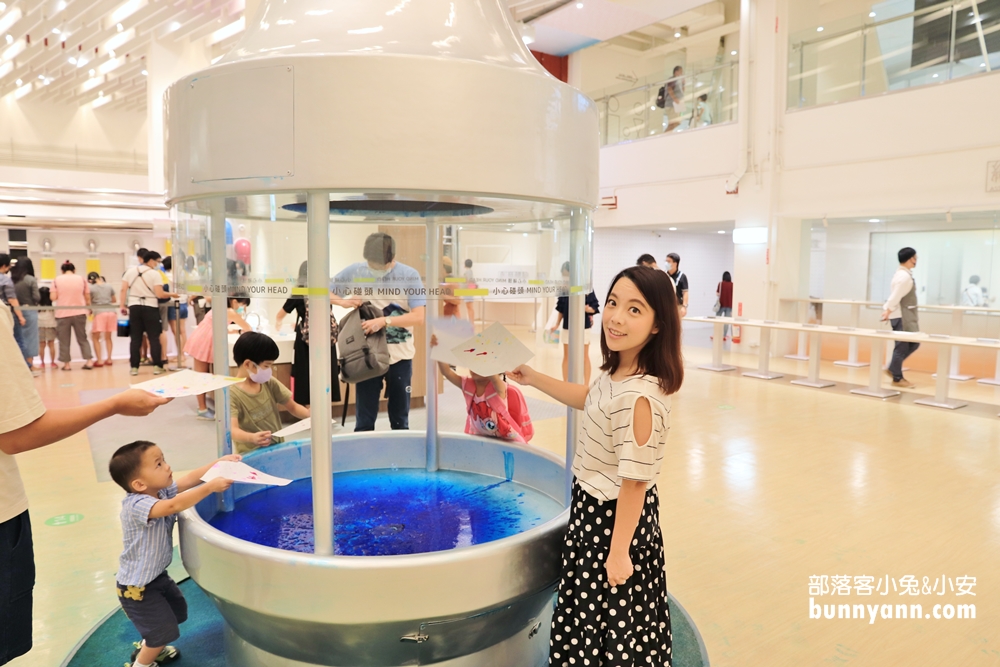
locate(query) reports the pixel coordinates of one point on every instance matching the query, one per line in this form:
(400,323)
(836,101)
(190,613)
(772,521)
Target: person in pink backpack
(496,409)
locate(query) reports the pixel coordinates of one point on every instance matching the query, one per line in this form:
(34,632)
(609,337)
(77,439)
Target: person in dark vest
(901,311)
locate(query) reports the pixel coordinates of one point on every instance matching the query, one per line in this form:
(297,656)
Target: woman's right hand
(523,375)
(124,311)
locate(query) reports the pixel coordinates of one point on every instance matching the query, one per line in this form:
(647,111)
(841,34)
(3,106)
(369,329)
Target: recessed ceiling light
(871,15)
(673,229)
(732,53)
(19,82)
(120,27)
(874,220)
(934,76)
(145,73)
(677,35)
(722,231)
(982,64)
(41,76)
(72,60)
(819,29)
(579,5)
(111,53)
(3,6)
(55,31)
(10,39)
(91,72)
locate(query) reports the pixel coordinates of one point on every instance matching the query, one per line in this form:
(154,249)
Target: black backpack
(304,327)
(661,97)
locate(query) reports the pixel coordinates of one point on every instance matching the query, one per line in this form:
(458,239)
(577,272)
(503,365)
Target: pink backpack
(518,409)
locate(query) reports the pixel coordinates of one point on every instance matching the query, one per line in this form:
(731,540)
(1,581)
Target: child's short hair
(126,461)
(256,347)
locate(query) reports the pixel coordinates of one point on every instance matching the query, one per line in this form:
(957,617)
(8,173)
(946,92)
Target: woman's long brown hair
(661,355)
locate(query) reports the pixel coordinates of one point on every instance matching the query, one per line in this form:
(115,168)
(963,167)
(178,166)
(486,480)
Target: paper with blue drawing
(492,352)
(241,472)
(186,383)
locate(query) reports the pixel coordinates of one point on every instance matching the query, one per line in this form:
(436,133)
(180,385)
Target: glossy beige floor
(765,484)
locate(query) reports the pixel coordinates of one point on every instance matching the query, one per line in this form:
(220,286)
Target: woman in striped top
(612,607)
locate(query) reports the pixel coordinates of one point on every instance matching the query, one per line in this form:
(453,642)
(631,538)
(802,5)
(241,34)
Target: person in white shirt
(613,549)
(901,312)
(26,424)
(973,295)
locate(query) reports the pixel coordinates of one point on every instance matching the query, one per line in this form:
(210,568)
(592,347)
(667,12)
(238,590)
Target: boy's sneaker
(207,415)
(158,370)
(134,371)
(168,654)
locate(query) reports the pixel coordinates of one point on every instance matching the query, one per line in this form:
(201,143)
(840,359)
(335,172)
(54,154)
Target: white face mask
(378,273)
(261,376)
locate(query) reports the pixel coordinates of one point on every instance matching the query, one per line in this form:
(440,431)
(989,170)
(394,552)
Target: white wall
(703,259)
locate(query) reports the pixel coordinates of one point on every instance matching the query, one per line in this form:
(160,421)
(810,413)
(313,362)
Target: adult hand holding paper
(492,352)
(186,383)
(241,472)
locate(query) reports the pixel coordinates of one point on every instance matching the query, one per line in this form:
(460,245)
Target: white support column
(801,353)
(321,412)
(941,399)
(874,388)
(579,270)
(431,396)
(814,359)
(954,372)
(995,380)
(717,365)
(852,343)
(220,335)
(763,372)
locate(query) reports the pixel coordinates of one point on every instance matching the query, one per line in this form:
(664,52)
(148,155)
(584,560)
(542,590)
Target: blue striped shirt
(148,543)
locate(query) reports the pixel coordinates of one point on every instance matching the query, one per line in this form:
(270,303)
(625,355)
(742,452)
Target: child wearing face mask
(199,345)
(254,403)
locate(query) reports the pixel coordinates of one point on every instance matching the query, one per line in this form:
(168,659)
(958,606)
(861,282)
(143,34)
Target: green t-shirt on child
(257,412)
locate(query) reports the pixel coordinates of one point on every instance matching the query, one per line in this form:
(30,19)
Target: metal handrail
(876,24)
(664,82)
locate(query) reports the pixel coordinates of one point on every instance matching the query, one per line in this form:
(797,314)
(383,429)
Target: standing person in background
(141,287)
(70,289)
(680,282)
(26,289)
(300,363)
(900,310)
(972,295)
(46,327)
(144,359)
(591,307)
(8,295)
(163,305)
(724,294)
(470,283)
(105,321)
(177,317)
(200,346)
(401,314)
(675,98)
(647,260)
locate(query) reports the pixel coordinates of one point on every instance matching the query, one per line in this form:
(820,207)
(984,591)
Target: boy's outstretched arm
(189,498)
(297,410)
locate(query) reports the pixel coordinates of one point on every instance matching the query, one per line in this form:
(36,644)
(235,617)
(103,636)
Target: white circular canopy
(428,99)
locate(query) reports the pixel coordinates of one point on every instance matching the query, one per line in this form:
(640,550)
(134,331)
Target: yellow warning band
(310,291)
(472,292)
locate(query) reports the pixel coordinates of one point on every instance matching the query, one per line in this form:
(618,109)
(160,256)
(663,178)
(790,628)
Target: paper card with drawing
(241,472)
(298,427)
(491,352)
(186,383)
(450,333)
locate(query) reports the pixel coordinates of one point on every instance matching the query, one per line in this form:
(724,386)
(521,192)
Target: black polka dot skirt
(601,626)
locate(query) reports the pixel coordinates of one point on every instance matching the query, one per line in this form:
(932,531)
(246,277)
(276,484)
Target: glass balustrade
(692,101)
(895,49)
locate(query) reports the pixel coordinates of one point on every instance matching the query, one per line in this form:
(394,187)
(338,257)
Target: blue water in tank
(392,512)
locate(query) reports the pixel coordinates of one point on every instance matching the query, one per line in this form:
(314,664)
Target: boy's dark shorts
(157,612)
(17,577)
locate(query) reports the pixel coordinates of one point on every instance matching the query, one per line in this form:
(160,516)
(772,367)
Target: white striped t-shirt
(149,543)
(607,452)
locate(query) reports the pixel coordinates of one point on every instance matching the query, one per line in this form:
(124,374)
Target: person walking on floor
(612,606)
(105,322)
(142,286)
(8,296)
(26,289)
(680,282)
(591,306)
(70,289)
(724,301)
(200,346)
(900,310)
